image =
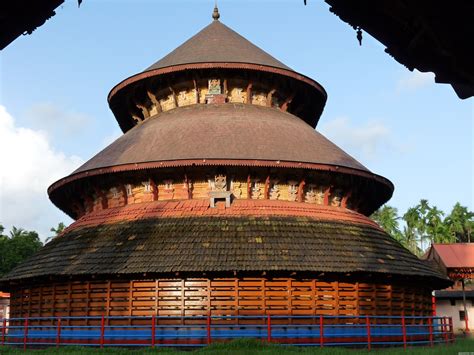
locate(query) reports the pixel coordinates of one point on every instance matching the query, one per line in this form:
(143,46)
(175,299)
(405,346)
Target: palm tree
(460,223)
(387,218)
(414,224)
(57,231)
(435,228)
(17,232)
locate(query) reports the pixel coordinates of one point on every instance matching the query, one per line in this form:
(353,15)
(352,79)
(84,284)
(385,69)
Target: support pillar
(466,316)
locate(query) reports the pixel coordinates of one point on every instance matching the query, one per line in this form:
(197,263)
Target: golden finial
(215,13)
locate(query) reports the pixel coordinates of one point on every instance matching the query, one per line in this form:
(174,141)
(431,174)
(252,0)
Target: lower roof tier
(165,238)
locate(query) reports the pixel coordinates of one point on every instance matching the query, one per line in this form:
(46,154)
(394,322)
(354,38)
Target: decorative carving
(214,87)
(220,183)
(237,95)
(168,184)
(136,118)
(210,183)
(292,190)
(259,99)
(336,198)
(220,191)
(181,98)
(99,200)
(214,92)
(314,195)
(146,186)
(320,196)
(256,190)
(144,110)
(153,98)
(237,189)
(218,187)
(274,190)
(115,192)
(167,103)
(311,194)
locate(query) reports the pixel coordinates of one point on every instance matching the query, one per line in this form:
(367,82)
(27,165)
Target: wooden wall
(191,297)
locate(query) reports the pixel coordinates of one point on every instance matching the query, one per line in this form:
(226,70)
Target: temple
(221,198)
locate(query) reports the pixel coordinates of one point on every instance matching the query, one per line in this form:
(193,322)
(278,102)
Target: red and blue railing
(189,331)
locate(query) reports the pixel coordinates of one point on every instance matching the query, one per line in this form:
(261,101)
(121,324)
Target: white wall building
(457,262)
(449,303)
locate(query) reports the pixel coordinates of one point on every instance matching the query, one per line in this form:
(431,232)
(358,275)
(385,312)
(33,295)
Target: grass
(250,347)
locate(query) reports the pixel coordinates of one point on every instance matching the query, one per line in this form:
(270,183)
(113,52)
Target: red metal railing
(163,331)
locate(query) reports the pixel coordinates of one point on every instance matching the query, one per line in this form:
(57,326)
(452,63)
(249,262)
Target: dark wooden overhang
(306,97)
(427,35)
(23,17)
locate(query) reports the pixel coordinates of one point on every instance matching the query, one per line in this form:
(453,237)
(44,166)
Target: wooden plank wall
(191,297)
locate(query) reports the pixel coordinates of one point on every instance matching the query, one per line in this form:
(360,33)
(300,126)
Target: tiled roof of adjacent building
(458,255)
(217,43)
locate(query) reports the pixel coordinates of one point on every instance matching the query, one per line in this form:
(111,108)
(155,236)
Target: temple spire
(215,13)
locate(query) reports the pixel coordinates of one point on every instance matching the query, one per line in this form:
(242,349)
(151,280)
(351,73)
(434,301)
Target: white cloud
(415,80)
(365,141)
(56,120)
(28,165)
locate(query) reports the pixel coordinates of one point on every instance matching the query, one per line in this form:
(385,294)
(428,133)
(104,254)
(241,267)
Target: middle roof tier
(237,135)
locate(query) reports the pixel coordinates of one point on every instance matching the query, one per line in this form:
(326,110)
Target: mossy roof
(223,244)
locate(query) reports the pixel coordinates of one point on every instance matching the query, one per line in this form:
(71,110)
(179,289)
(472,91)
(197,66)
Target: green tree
(387,218)
(436,229)
(57,231)
(17,247)
(460,224)
(424,226)
(411,233)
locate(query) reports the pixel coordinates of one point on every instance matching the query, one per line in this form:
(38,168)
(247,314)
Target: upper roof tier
(216,53)
(217,43)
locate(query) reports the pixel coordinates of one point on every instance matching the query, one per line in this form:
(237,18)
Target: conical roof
(217,43)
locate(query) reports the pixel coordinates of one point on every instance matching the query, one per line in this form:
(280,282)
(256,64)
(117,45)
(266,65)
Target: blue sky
(54,84)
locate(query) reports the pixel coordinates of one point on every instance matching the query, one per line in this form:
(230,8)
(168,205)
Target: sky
(54,84)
